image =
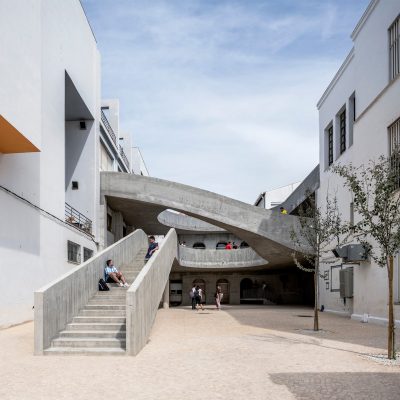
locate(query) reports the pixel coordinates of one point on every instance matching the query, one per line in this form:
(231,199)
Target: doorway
(224,283)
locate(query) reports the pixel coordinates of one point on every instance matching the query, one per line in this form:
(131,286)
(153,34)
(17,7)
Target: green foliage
(376,203)
(319,230)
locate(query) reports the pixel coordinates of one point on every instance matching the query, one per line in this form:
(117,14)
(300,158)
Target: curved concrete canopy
(185,223)
(142,198)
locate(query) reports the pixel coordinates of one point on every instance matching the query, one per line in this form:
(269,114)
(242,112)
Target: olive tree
(318,232)
(376,204)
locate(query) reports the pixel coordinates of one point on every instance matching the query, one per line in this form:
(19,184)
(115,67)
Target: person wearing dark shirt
(152,247)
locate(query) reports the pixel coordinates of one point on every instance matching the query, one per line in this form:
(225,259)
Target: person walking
(192,295)
(199,296)
(218,297)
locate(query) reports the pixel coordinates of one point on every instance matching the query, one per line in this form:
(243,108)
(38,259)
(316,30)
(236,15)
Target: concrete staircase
(99,328)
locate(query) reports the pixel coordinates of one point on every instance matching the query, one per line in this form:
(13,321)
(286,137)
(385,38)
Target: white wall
(377,107)
(41,40)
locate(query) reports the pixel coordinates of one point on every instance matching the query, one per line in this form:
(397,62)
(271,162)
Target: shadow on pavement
(299,320)
(340,385)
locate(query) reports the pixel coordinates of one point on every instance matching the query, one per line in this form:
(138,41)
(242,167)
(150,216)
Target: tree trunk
(316,276)
(391,325)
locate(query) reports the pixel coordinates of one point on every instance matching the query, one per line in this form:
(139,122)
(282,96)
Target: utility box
(346,282)
(351,253)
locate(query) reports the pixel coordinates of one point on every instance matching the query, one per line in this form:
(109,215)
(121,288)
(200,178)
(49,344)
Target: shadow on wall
(340,385)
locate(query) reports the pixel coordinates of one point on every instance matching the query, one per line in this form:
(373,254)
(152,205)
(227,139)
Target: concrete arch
(141,199)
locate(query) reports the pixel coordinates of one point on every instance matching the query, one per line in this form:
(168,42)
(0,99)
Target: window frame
(342,131)
(73,255)
(394,49)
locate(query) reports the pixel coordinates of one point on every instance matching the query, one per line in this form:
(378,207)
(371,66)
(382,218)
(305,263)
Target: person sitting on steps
(114,274)
(153,247)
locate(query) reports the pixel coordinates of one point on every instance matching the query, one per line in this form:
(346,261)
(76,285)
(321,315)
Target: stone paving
(242,352)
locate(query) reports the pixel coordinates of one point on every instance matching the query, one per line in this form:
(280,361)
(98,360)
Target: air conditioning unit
(351,253)
(346,282)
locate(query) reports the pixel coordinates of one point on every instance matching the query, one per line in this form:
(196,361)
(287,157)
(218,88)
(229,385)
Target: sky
(222,94)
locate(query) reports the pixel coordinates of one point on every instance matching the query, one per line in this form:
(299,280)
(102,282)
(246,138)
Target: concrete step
(88,342)
(102,313)
(105,302)
(93,334)
(95,326)
(76,351)
(105,306)
(99,320)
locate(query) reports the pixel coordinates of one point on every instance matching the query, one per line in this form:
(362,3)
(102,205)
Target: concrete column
(235,288)
(118,225)
(166,296)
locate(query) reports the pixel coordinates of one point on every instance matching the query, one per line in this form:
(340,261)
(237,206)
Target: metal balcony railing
(108,127)
(78,220)
(124,157)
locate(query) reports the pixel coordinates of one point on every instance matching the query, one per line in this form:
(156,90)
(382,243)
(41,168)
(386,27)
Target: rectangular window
(106,162)
(352,116)
(335,281)
(87,253)
(342,128)
(330,145)
(74,252)
(394,49)
(109,222)
(394,148)
(352,216)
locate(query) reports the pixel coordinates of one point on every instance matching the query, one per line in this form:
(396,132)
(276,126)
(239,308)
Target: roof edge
(364,18)
(335,79)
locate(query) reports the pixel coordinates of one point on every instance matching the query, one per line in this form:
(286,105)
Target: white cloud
(220,95)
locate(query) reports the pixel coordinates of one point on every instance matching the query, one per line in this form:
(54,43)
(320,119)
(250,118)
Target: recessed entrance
(224,283)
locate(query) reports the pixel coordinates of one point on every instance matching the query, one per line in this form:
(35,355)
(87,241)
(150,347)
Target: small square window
(82,125)
(87,253)
(75,185)
(74,252)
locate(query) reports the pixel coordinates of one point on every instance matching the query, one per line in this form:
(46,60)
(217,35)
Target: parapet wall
(58,302)
(144,296)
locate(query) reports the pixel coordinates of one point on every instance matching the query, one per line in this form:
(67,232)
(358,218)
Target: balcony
(124,157)
(108,127)
(76,219)
(218,259)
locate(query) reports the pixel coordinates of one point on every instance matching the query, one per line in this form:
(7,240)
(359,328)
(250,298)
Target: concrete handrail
(212,258)
(59,301)
(143,297)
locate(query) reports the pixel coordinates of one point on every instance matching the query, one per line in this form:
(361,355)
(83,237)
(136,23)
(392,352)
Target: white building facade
(358,115)
(55,138)
(275,197)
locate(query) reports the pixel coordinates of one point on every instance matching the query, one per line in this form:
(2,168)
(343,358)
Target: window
(352,116)
(109,222)
(330,145)
(87,253)
(106,162)
(352,216)
(199,245)
(335,281)
(394,148)
(221,245)
(342,130)
(74,252)
(394,49)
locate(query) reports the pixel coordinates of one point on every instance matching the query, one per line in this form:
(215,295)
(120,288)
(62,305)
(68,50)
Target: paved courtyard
(242,352)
